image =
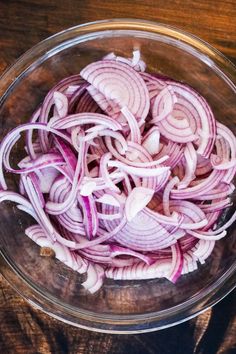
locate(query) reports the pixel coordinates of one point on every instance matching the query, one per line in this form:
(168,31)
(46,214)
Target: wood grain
(23,23)
(26,330)
(23,329)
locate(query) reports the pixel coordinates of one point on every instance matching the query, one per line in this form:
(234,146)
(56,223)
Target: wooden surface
(23,23)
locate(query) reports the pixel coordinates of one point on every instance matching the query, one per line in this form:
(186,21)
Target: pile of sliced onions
(126,173)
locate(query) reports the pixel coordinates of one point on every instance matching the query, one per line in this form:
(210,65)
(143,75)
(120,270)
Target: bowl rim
(118,323)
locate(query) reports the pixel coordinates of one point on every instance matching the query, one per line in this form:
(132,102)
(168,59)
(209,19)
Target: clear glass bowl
(129,306)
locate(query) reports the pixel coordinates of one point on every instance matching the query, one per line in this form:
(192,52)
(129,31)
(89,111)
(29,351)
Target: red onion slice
(85,118)
(151,234)
(177,263)
(163,105)
(90,215)
(198,108)
(151,141)
(119,82)
(190,156)
(137,200)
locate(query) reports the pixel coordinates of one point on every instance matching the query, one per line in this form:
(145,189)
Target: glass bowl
(128,306)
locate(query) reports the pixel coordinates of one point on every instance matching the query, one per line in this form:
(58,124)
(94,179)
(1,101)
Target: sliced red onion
(140,270)
(207,235)
(143,160)
(222,165)
(126,173)
(59,208)
(88,188)
(85,118)
(134,62)
(221,192)
(72,220)
(30,148)
(71,89)
(34,198)
(76,97)
(191,211)
(189,262)
(105,174)
(103,236)
(137,200)
(46,177)
(49,102)
(166,195)
(203,249)
(84,102)
(177,263)
(17,198)
(177,130)
(67,154)
(174,152)
(110,107)
(108,199)
(118,251)
(135,134)
(203,187)
(190,156)
(61,104)
(151,234)
(215,206)
(90,215)
(163,105)
(154,85)
(151,141)
(42,161)
(94,278)
(118,138)
(228,136)
(36,186)
(71,225)
(203,167)
(7,143)
(139,171)
(192,104)
(109,216)
(130,89)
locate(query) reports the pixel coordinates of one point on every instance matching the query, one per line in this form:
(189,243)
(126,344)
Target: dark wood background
(23,330)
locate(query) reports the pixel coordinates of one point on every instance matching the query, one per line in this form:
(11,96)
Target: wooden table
(24,330)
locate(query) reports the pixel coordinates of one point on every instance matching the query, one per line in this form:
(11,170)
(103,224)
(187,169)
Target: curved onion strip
(163,104)
(85,118)
(203,115)
(135,134)
(59,208)
(48,103)
(177,263)
(166,194)
(203,187)
(151,141)
(29,135)
(90,215)
(137,200)
(190,156)
(10,139)
(139,171)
